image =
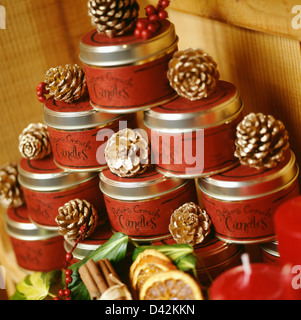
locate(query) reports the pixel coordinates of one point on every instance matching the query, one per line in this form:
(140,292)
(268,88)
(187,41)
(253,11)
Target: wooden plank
(280,17)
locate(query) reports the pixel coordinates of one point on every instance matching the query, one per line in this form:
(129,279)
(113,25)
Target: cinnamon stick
(89,282)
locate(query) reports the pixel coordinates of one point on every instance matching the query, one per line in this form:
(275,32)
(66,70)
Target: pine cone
(189,224)
(127,153)
(113,17)
(261,141)
(10,190)
(34,142)
(75,214)
(193,74)
(66,83)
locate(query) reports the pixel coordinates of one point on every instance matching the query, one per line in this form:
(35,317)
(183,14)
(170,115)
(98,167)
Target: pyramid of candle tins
(90,172)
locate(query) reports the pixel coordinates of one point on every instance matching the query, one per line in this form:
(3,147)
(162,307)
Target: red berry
(137,33)
(163,15)
(153,18)
(153,27)
(41,86)
(141,24)
(68,272)
(42,99)
(68,279)
(69,256)
(68,298)
(165,3)
(56,298)
(40,93)
(67,292)
(150,10)
(61,293)
(145,34)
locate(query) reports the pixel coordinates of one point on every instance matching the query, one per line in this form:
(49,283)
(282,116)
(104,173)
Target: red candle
(287,221)
(288,231)
(257,281)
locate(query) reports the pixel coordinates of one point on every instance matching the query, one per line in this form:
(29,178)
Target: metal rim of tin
(197,175)
(246,242)
(270,248)
(137,191)
(246,190)
(90,169)
(27,231)
(53,182)
(111,110)
(187,122)
(129,53)
(78,120)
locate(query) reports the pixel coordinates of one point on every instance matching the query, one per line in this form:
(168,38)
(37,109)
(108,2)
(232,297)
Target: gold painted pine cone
(193,74)
(189,224)
(10,190)
(66,83)
(261,141)
(127,153)
(113,17)
(73,215)
(34,142)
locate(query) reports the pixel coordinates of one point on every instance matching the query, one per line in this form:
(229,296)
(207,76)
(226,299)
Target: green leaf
(35,286)
(181,254)
(114,249)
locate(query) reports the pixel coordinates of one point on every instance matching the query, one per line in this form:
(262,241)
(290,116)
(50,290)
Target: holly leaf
(114,249)
(35,286)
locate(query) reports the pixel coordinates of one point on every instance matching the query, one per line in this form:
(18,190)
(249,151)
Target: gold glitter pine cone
(127,153)
(113,17)
(73,215)
(189,224)
(193,74)
(10,191)
(66,83)
(34,142)
(261,141)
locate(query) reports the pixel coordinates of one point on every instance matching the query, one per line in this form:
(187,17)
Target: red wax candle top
(265,282)
(288,217)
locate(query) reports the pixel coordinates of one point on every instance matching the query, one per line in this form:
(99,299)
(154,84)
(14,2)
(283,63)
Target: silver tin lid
(22,229)
(100,50)
(243,183)
(181,114)
(43,175)
(270,248)
(148,185)
(60,115)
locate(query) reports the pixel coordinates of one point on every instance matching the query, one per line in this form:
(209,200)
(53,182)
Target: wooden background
(253,41)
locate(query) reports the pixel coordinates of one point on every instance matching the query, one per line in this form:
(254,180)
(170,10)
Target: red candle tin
(78,133)
(100,236)
(46,187)
(213,257)
(141,206)
(195,138)
(36,249)
(241,202)
(126,74)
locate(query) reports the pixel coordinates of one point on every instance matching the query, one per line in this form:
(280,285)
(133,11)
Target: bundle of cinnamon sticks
(102,281)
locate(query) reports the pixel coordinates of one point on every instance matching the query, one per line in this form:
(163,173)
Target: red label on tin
(40,255)
(195,153)
(129,87)
(149,218)
(43,206)
(247,220)
(83,150)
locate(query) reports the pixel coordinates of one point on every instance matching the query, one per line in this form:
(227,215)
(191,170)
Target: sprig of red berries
(42,91)
(146,27)
(66,293)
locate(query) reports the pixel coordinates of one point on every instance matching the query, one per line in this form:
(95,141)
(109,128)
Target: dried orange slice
(170,285)
(147,253)
(148,266)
